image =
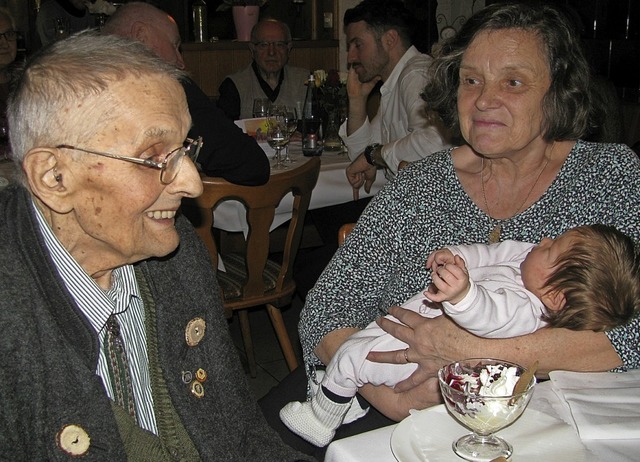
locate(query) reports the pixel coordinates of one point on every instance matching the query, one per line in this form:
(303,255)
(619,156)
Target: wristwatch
(369,154)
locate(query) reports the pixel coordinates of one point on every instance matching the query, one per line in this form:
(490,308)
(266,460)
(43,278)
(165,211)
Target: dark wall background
(611,33)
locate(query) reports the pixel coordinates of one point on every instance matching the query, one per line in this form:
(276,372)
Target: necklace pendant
(494,235)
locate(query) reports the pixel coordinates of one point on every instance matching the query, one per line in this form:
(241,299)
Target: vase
(332,141)
(244,18)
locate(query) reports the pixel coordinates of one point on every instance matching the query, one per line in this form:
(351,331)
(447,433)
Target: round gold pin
(195,330)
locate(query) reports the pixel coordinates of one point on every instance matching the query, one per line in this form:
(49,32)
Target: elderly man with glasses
(114,343)
(268,75)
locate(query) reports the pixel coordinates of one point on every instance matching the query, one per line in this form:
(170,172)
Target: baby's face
(540,263)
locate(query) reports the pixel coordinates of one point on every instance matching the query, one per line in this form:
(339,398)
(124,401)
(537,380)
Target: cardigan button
(194,332)
(73,440)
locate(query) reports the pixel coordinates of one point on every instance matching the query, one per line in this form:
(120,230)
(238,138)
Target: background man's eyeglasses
(262,46)
(169,167)
(9,35)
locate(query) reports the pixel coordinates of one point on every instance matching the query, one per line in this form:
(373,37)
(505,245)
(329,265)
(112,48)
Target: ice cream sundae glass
(482,395)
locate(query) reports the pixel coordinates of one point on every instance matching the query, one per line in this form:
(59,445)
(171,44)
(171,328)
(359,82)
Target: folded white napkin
(604,405)
(256,128)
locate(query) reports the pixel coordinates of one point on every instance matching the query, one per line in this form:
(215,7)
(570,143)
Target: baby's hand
(439,258)
(450,280)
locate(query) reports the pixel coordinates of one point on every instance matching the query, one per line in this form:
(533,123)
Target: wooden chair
(251,279)
(344,231)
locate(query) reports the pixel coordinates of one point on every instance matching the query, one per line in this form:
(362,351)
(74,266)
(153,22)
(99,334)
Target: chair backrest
(344,231)
(260,203)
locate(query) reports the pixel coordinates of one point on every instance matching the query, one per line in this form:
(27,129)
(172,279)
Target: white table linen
(375,446)
(602,405)
(427,435)
(332,189)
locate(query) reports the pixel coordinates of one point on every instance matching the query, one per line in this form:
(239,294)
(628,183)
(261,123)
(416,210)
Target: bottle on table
(200,22)
(311,121)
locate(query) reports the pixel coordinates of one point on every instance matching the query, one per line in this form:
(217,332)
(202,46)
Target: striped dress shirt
(122,299)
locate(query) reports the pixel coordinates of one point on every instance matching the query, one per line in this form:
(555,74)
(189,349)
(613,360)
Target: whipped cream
(498,380)
(486,405)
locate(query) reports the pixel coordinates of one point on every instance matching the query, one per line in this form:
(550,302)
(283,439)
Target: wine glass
(291,119)
(484,409)
(261,107)
(278,138)
(278,111)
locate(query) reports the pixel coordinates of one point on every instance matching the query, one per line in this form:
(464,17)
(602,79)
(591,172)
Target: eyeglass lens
(9,35)
(173,161)
(277,45)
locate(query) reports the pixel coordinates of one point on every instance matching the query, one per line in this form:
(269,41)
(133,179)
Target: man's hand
(360,173)
(358,94)
(357,89)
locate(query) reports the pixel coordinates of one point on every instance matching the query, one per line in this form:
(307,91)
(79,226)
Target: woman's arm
(331,342)
(436,342)
(394,405)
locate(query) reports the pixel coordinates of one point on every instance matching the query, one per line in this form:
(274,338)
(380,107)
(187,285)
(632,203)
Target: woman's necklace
(494,235)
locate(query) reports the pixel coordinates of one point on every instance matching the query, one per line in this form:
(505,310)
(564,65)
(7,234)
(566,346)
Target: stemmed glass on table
(277,137)
(291,119)
(484,413)
(261,107)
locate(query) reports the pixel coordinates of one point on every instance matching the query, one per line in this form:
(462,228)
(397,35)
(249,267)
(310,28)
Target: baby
(588,278)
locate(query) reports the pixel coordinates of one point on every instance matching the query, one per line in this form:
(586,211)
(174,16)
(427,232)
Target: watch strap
(368,153)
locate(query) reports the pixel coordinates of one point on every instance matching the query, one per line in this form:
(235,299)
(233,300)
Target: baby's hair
(600,279)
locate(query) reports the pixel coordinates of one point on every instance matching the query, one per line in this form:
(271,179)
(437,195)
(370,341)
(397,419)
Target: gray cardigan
(292,92)
(49,354)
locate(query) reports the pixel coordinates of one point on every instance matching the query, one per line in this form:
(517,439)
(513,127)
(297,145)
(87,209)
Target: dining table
(571,417)
(332,188)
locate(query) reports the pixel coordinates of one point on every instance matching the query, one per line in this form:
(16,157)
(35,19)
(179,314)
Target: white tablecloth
(374,446)
(332,189)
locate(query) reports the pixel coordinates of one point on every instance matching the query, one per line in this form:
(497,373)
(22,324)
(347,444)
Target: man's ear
(46,178)
(554,300)
(140,32)
(390,39)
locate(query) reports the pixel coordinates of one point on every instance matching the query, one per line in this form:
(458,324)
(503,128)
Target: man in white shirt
(379,49)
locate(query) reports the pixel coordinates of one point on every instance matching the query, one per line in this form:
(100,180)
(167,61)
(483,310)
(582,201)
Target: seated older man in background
(114,342)
(268,75)
(227,152)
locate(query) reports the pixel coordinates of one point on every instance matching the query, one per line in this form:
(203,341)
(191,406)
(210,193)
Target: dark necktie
(118,367)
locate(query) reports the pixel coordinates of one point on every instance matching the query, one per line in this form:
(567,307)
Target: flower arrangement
(227,4)
(332,91)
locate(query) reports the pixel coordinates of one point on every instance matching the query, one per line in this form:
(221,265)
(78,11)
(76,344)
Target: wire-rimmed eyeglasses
(169,167)
(9,35)
(262,46)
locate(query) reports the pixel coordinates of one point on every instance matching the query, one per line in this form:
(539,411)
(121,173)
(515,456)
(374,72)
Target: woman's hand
(421,334)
